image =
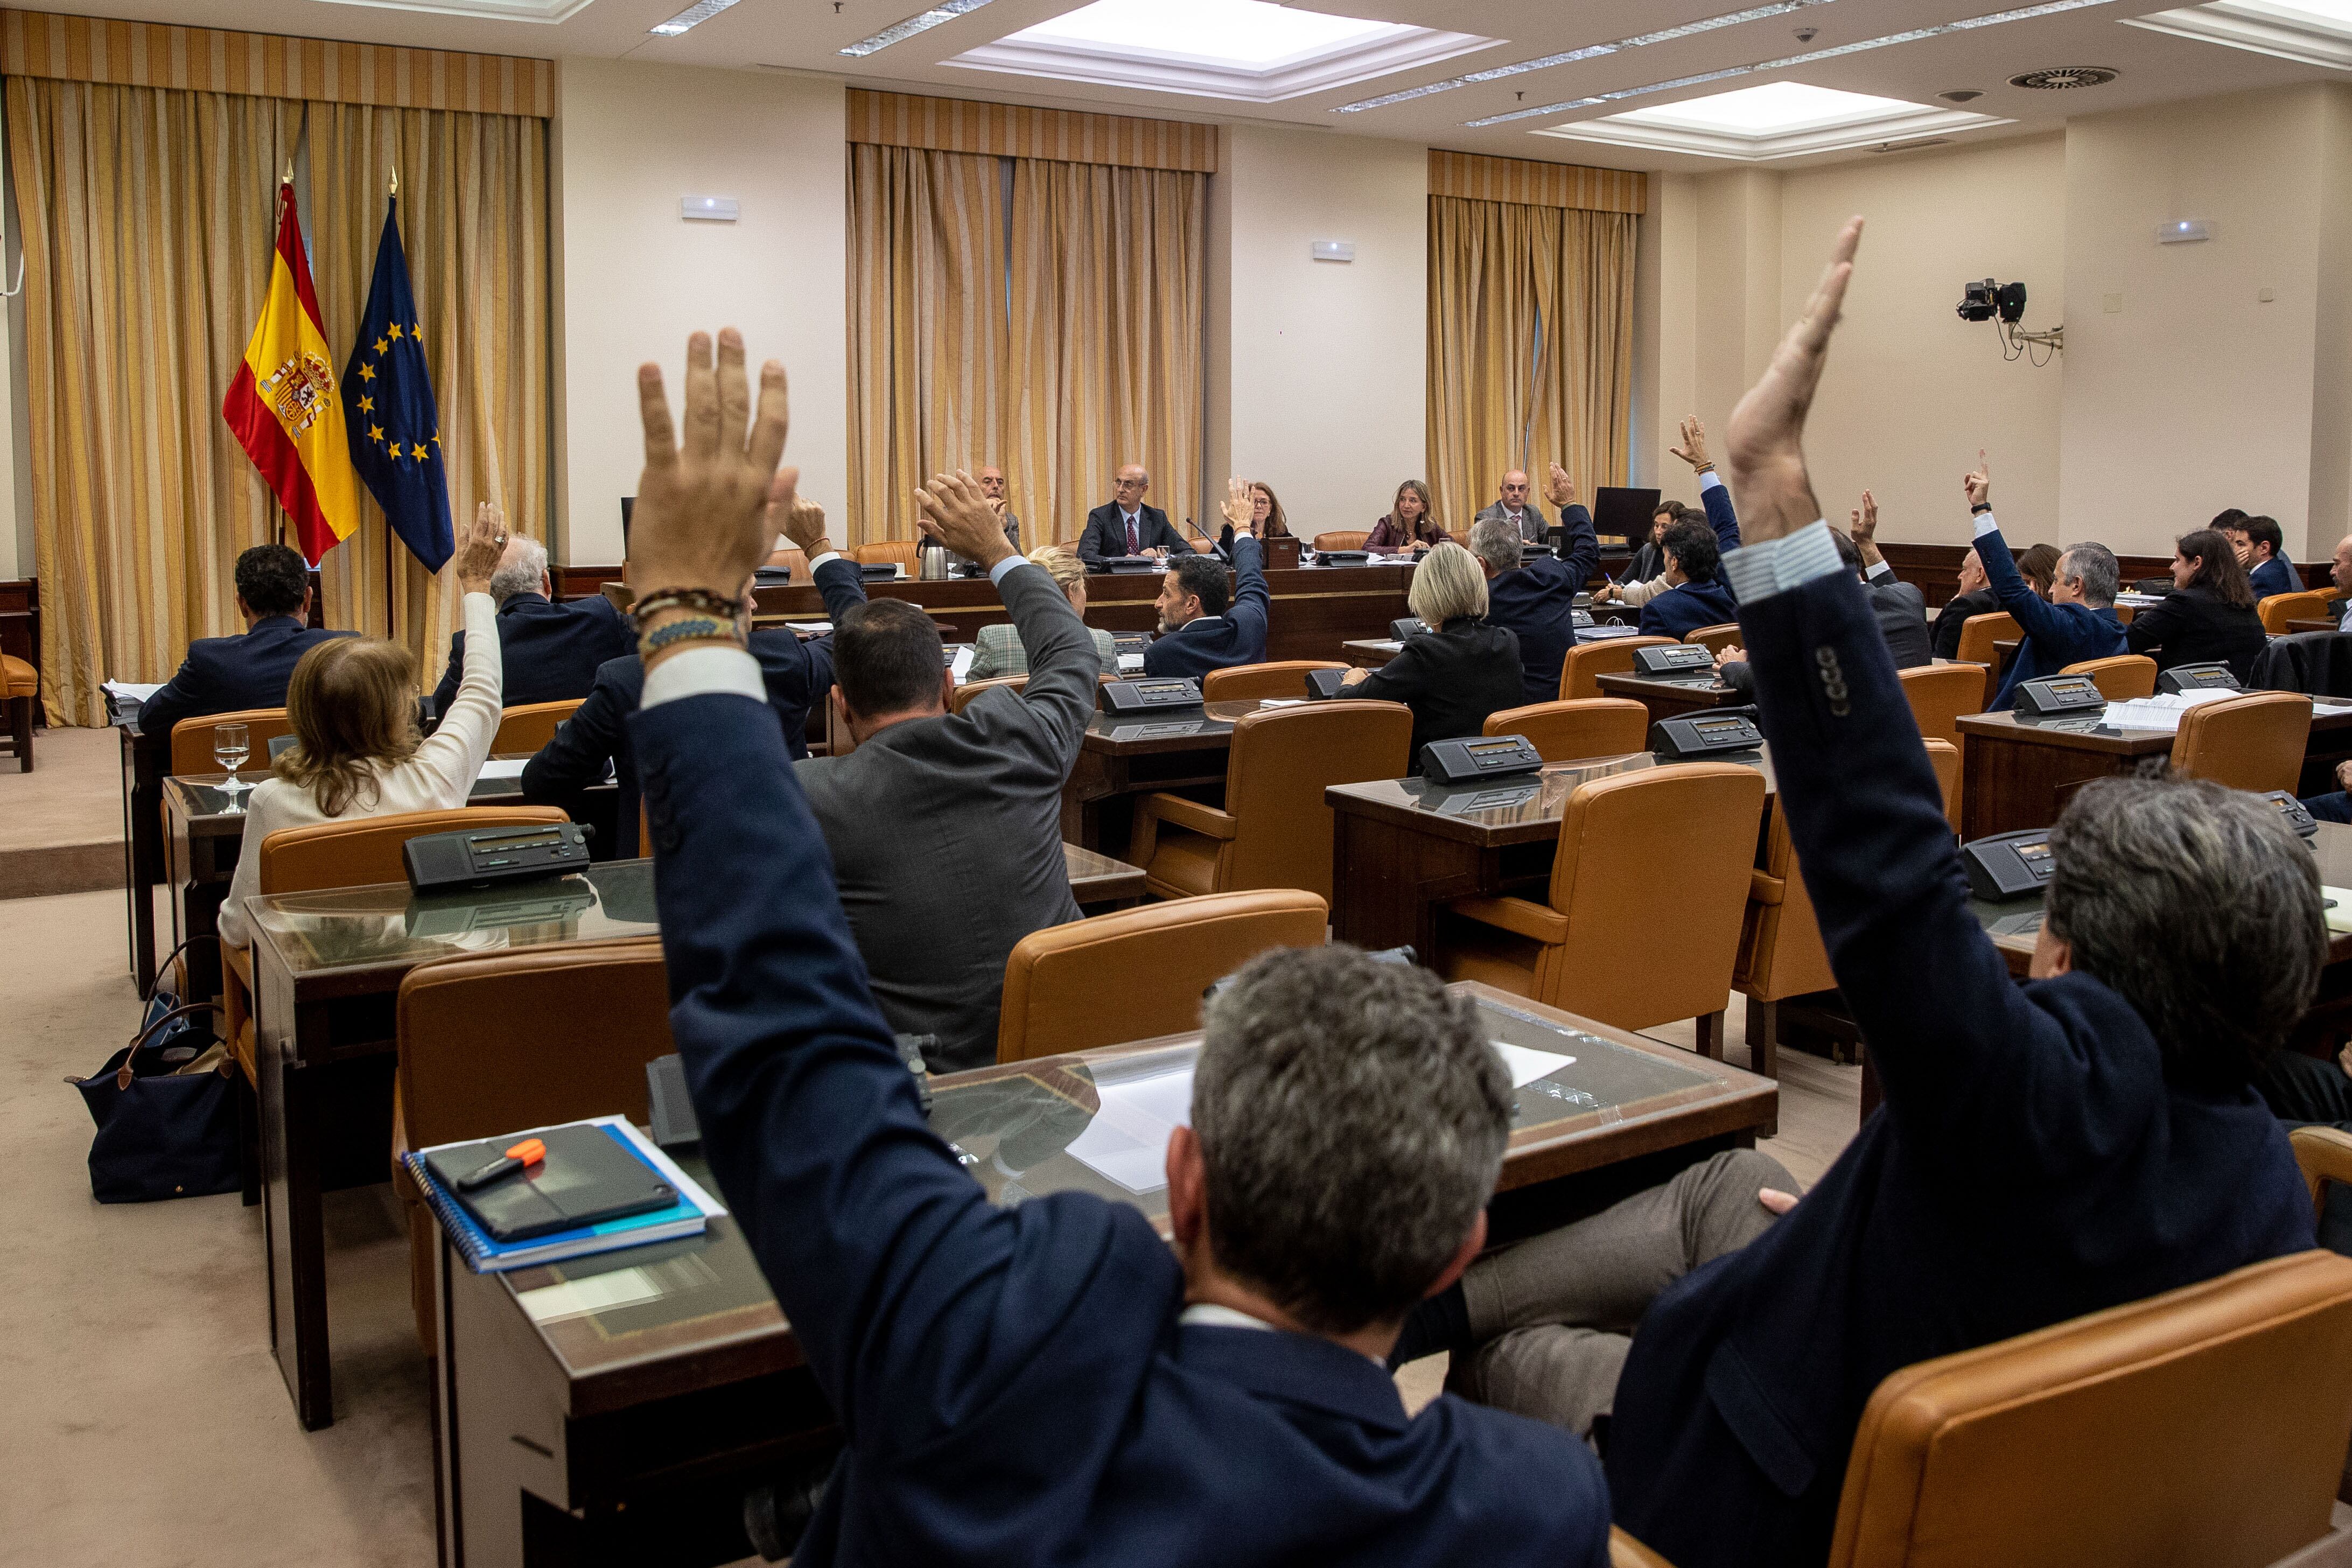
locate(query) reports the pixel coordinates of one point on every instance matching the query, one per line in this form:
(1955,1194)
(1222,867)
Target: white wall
(1665,327)
(1317,370)
(632,279)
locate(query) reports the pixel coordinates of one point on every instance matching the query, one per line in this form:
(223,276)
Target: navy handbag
(165,1108)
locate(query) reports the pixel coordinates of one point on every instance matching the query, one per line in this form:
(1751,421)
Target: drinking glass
(231,746)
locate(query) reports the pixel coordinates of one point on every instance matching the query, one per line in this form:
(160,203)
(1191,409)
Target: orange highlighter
(530,1151)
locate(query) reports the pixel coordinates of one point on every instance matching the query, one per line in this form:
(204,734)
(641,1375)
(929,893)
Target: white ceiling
(806,35)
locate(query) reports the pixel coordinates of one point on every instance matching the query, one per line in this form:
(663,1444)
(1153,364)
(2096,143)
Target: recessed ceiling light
(1244,49)
(1777,106)
(693,16)
(1776,119)
(498,10)
(1587,52)
(2023,13)
(2310,32)
(922,22)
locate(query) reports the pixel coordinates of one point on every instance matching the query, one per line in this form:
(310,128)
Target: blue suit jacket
(2030,1164)
(549,652)
(1238,637)
(2277,575)
(798,675)
(1537,603)
(224,675)
(1013,1383)
(1678,612)
(2055,635)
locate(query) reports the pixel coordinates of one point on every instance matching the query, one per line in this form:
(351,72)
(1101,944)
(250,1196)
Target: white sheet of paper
(1282,701)
(2162,711)
(963,664)
(2339,910)
(1127,1142)
(130,691)
(1527,1065)
(505,767)
(596,1293)
(1130,664)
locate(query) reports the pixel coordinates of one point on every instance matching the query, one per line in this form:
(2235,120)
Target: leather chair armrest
(2323,1153)
(1766,888)
(1539,923)
(1187,814)
(1624,1551)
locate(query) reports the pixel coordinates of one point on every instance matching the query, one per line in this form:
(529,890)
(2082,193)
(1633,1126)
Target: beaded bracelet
(714,604)
(700,628)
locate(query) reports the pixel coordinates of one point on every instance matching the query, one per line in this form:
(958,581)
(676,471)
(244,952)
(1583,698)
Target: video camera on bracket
(1983,301)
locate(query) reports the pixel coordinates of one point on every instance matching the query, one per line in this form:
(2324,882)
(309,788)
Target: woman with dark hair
(1409,528)
(2038,567)
(2211,617)
(1645,574)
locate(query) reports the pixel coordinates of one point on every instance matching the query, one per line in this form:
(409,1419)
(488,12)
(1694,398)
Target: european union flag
(388,409)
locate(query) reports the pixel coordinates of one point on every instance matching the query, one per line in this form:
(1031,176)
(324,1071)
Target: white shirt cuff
(996,574)
(817,561)
(1709,480)
(1776,565)
(1985,524)
(1881,572)
(699,671)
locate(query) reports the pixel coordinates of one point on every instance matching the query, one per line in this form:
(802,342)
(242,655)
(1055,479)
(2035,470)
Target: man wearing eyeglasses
(1124,526)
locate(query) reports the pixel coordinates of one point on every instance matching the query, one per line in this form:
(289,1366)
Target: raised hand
(703,517)
(1765,445)
(1693,448)
(800,521)
(1977,482)
(1240,504)
(955,513)
(1558,489)
(1864,527)
(479,552)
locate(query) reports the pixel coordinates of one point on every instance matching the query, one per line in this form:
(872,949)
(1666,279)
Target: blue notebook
(486,1254)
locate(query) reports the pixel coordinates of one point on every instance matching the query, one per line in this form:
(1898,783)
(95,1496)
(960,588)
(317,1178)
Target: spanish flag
(283,406)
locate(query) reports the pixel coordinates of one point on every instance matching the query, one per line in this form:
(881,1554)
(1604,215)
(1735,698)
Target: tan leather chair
(499,1042)
(2325,1155)
(1668,853)
(2205,1425)
(1257,682)
(2277,609)
(1571,731)
(1139,972)
(191,739)
(1940,694)
(1587,661)
(1978,634)
(894,551)
(1342,538)
(20,687)
(533,725)
(964,696)
(2120,678)
(1274,830)
(2255,741)
(1714,638)
(793,558)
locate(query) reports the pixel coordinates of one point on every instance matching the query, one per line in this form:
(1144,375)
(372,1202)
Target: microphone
(1216,547)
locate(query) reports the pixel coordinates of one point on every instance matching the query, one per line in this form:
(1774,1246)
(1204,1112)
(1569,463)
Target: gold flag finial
(395,180)
(288,178)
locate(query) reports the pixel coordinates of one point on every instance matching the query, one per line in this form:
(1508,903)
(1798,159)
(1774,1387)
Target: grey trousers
(1555,1316)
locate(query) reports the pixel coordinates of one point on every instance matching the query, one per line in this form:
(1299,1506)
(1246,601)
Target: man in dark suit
(225,675)
(1901,608)
(2261,549)
(1054,1381)
(1536,601)
(550,651)
(946,829)
(798,675)
(1973,597)
(2043,1151)
(1698,594)
(1511,505)
(991,485)
(2077,622)
(1127,527)
(1200,630)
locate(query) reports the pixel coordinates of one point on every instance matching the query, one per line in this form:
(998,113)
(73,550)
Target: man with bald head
(992,489)
(1515,509)
(1124,526)
(2342,574)
(550,651)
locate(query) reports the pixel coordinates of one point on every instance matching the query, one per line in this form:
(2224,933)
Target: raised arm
(1251,601)
(453,754)
(585,744)
(1579,547)
(2034,615)
(1713,494)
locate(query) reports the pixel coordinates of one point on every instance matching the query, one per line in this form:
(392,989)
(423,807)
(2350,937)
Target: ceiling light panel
(1777,120)
(497,10)
(1588,52)
(922,22)
(692,16)
(1913,36)
(1777,106)
(2310,32)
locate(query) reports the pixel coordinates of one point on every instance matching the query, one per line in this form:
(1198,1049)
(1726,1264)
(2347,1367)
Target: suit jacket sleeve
(447,693)
(585,744)
(1096,541)
(2036,616)
(1251,600)
(2153,625)
(1579,547)
(188,692)
(618,638)
(1720,516)
(843,587)
(1978,1074)
(1405,678)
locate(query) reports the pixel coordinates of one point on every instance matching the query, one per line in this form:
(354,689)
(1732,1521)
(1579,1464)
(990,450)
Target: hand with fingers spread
(1764,448)
(1864,527)
(707,510)
(1977,482)
(955,513)
(1239,506)
(479,552)
(1693,448)
(798,519)
(1558,489)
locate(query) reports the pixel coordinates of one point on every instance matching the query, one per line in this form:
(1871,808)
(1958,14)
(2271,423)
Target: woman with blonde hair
(1409,528)
(352,706)
(997,651)
(1461,669)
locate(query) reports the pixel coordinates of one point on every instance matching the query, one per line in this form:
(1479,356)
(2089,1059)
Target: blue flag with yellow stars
(388,409)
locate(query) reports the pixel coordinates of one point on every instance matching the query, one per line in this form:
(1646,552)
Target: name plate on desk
(2059,694)
(1674,659)
(1150,696)
(1155,731)
(2215,677)
(1343,558)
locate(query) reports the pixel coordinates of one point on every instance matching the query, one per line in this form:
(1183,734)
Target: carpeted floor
(61,824)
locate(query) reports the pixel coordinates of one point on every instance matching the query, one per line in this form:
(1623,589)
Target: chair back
(2255,741)
(2323,1153)
(1978,634)
(1257,682)
(793,558)
(2277,609)
(1657,861)
(1571,731)
(360,850)
(1155,960)
(2207,1426)
(1714,638)
(1940,694)
(891,551)
(1282,761)
(191,739)
(964,696)
(2121,679)
(527,728)
(1342,538)
(19,679)
(1587,661)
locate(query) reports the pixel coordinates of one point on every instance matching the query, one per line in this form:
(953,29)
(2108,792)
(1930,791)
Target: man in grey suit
(946,830)
(992,488)
(1515,509)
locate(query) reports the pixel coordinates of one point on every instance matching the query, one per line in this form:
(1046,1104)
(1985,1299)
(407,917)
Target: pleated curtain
(1530,347)
(147,222)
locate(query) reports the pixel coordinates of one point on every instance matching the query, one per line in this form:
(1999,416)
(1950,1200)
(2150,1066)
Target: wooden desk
(2293,626)
(146,762)
(1671,698)
(1099,883)
(1371,653)
(1125,755)
(620,1429)
(1401,847)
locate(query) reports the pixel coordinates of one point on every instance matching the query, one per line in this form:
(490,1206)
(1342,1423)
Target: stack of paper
(2162,711)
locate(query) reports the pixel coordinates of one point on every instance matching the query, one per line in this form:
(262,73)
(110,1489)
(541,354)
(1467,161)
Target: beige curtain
(1108,267)
(146,221)
(928,390)
(1530,347)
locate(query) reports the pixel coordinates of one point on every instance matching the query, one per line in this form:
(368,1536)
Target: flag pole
(391,555)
